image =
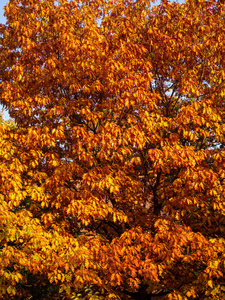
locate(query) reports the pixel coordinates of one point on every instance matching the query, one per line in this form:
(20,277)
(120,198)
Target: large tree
(112,176)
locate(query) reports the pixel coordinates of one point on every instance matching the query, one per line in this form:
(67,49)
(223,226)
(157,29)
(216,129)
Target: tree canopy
(112,174)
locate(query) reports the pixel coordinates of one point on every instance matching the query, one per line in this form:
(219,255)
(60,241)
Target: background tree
(113,175)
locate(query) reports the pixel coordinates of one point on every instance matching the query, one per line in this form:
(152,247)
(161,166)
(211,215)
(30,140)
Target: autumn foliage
(112,173)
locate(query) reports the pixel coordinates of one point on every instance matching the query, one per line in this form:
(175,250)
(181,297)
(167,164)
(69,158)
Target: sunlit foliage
(112,174)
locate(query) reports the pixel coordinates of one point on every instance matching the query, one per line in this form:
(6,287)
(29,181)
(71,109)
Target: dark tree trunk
(141,294)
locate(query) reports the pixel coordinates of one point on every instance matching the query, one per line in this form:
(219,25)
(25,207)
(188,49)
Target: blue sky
(2,3)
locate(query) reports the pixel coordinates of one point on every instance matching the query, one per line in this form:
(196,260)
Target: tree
(112,178)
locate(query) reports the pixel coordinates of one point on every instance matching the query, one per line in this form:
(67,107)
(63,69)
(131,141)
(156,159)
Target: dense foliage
(112,174)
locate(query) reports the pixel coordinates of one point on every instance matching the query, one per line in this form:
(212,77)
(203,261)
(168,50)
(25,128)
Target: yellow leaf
(210,283)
